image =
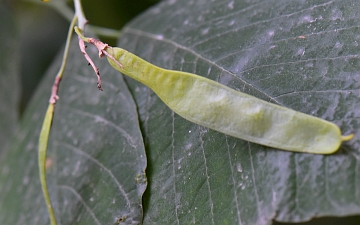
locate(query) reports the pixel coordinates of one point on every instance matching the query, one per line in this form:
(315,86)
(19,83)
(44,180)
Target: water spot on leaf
(239,168)
(230,5)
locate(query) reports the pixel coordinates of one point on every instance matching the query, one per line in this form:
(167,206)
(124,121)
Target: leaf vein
(72,190)
(98,118)
(97,162)
(233,182)
(207,181)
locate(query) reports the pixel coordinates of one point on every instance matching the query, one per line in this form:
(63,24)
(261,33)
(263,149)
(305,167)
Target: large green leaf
(96,160)
(300,54)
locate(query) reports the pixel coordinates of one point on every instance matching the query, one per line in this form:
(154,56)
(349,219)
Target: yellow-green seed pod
(216,106)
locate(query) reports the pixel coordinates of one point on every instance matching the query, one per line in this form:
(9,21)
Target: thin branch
(82,22)
(102,51)
(54,97)
(46,126)
(80,14)
(87,57)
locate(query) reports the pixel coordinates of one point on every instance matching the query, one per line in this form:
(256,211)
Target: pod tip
(347,137)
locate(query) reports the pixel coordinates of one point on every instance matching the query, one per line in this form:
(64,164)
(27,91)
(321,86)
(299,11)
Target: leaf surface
(96,158)
(9,79)
(301,55)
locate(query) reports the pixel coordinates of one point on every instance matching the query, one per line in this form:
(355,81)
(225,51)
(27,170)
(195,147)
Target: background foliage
(303,55)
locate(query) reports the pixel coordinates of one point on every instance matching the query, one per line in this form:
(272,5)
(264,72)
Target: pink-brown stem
(54,90)
(82,48)
(102,50)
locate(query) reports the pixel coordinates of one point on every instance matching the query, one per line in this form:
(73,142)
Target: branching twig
(83,50)
(102,51)
(82,22)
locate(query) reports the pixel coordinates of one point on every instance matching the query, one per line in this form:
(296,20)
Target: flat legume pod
(216,106)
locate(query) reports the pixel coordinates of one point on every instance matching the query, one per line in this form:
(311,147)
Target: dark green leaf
(96,154)
(9,78)
(300,54)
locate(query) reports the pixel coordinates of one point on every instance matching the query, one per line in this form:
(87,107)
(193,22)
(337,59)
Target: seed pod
(216,106)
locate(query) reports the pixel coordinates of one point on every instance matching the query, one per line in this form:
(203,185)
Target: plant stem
(45,130)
